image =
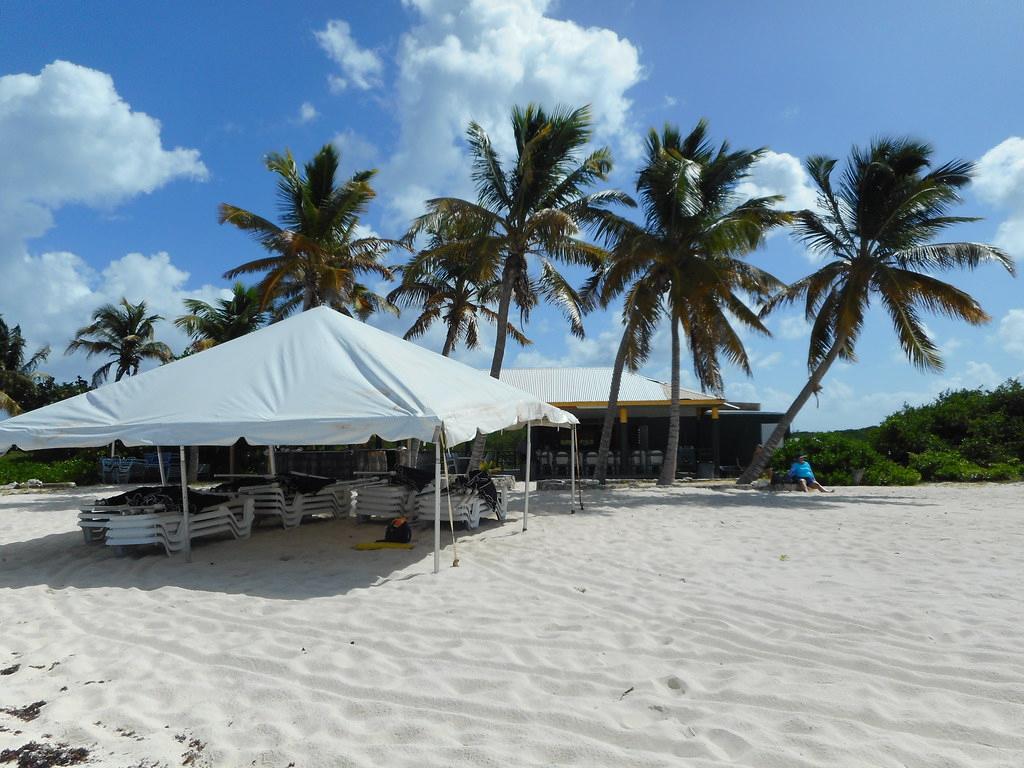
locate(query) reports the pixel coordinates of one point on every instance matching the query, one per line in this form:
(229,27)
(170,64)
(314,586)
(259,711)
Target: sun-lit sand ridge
(874,627)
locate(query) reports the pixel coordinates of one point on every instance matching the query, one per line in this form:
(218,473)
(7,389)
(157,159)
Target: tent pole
(270,460)
(160,462)
(437,501)
(529,461)
(184,505)
(572,470)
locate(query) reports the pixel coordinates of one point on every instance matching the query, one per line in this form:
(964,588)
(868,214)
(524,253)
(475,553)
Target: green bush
(81,468)
(984,427)
(1005,470)
(947,466)
(887,472)
(834,457)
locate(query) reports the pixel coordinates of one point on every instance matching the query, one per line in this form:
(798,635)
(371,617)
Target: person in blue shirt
(802,473)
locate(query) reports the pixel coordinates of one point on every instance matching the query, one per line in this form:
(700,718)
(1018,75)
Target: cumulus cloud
(55,293)
(473,61)
(307,113)
(1011,332)
(779,173)
(999,180)
(360,67)
(68,137)
(356,150)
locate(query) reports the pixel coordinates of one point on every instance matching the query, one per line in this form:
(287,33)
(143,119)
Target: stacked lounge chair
(126,525)
(385,502)
(335,499)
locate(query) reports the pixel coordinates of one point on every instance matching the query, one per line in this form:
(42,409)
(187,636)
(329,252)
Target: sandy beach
(692,626)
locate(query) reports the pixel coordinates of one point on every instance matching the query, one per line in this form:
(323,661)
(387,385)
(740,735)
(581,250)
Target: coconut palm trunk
(763,457)
(508,277)
(601,472)
(875,232)
(668,465)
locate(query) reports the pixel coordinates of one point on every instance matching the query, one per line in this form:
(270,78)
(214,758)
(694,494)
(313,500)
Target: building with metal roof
(708,444)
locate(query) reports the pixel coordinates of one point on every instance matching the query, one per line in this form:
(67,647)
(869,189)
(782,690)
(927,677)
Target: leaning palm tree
(685,263)
(876,231)
(451,286)
(124,332)
(319,250)
(530,214)
(211,324)
(18,376)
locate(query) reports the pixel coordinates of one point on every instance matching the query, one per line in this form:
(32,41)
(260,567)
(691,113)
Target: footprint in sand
(677,685)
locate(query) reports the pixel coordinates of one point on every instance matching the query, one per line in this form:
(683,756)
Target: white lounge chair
(270,502)
(385,502)
(165,528)
(94,520)
(466,506)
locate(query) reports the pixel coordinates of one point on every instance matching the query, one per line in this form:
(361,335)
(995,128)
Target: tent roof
(317,378)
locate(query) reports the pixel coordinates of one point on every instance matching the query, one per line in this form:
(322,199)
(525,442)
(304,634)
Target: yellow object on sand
(382,545)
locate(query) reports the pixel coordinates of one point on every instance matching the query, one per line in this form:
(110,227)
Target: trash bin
(705,470)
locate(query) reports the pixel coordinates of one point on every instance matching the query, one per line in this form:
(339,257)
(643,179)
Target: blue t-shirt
(801,469)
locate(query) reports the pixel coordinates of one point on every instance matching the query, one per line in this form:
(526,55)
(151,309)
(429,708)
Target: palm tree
(453,286)
(124,332)
(319,251)
(876,231)
(685,262)
(211,324)
(18,376)
(532,211)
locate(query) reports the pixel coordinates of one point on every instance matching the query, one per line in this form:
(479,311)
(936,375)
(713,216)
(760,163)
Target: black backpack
(398,531)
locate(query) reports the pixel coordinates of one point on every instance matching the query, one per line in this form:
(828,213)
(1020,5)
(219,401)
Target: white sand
(875,627)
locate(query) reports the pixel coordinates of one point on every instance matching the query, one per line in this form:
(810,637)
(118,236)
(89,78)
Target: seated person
(801,473)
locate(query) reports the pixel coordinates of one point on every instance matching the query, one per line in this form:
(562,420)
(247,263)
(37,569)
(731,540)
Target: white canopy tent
(317,378)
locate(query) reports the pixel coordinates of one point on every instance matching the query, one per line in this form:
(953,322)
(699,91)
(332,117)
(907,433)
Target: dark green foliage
(885,472)
(981,426)
(836,457)
(81,467)
(951,466)
(969,435)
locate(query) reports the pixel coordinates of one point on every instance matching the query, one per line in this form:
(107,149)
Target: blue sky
(123,125)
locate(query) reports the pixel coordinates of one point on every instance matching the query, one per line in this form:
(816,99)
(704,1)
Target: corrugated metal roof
(591,385)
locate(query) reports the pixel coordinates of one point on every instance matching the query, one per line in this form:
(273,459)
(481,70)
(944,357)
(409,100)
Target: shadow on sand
(316,559)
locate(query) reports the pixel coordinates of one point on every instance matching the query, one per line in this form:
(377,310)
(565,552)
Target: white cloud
(999,180)
(1011,332)
(793,327)
(307,113)
(589,352)
(68,137)
(779,173)
(53,294)
(474,61)
(980,375)
(357,152)
(360,67)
